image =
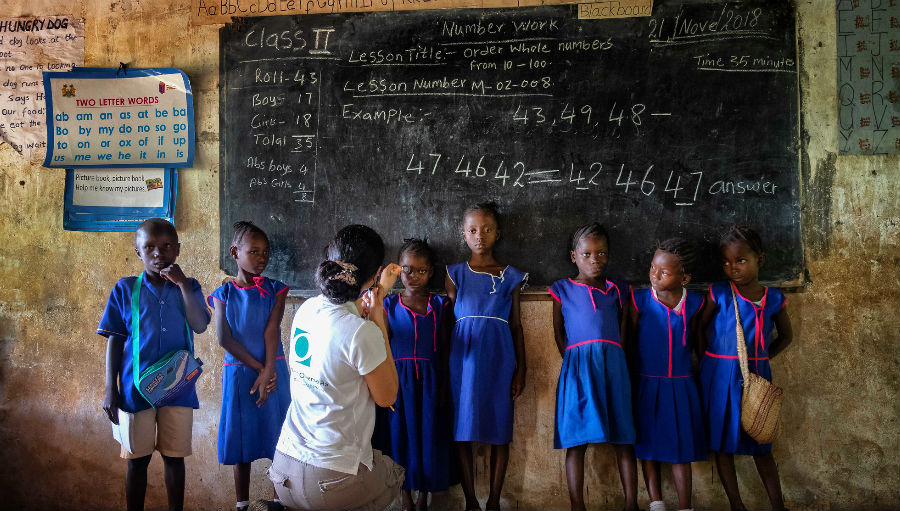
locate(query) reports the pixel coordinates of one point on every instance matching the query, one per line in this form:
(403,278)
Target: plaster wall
(840,445)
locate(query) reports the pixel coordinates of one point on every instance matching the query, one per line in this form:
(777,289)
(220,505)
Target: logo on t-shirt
(301,345)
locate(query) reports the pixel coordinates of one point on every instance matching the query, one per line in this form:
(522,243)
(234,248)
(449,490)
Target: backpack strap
(136,335)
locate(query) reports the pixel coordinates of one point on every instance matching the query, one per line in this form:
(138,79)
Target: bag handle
(136,335)
(741,342)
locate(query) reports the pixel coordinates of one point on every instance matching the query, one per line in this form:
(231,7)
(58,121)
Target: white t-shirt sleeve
(366,350)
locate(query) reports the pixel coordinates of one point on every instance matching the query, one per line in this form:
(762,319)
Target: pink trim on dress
(285,290)
(555,297)
(633,302)
(257,281)
(592,340)
(591,294)
(428,310)
(655,376)
(734,357)
(758,320)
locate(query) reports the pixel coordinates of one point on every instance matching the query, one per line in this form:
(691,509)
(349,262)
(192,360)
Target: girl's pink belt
(590,341)
(716,355)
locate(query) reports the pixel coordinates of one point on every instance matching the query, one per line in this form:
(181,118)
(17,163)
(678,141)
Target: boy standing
(168,301)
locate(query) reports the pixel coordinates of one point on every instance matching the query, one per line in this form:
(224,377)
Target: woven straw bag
(761,400)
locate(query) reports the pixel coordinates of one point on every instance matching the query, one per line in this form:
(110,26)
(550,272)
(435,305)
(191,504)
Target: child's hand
(272,386)
(518,383)
(260,385)
(173,274)
(373,298)
(111,405)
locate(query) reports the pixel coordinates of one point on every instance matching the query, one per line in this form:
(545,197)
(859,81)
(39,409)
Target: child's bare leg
(242,482)
(499,461)
(406,499)
(768,472)
(651,479)
(728,475)
(681,472)
(628,473)
(466,472)
(422,501)
(136,483)
(174,475)
(575,476)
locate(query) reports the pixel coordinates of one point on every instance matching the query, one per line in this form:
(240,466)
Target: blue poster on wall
(118,199)
(104,117)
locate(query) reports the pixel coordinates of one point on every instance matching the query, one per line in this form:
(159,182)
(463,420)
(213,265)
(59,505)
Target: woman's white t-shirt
(332,415)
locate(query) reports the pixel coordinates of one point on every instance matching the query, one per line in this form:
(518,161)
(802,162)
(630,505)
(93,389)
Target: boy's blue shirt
(163,329)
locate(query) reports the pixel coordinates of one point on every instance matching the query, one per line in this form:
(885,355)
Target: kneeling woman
(341,366)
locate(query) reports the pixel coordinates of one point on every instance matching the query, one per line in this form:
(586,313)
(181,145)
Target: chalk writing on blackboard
(654,124)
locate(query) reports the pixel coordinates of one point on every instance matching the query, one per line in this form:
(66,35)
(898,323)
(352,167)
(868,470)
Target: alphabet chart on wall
(119,118)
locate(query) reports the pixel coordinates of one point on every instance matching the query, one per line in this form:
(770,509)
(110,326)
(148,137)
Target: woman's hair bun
(336,282)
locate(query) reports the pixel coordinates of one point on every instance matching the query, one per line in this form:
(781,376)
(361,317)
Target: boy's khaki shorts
(167,430)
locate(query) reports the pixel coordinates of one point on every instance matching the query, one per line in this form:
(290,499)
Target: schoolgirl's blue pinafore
(482,356)
(248,432)
(419,426)
(668,419)
(593,396)
(720,373)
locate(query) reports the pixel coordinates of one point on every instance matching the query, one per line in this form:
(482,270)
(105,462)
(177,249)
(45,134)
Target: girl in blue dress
(248,313)
(419,425)
(487,351)
(762,313)
(593,397)
(664,321)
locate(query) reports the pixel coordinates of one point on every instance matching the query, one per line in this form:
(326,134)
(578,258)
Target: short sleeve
(279,287)
(451,270)
(633,301)
(219,295)
(197,293)
(113,320)
(712,295)
(518,277)
(367,348)
(554,290)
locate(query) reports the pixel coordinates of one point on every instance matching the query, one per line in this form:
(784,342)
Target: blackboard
(677,124)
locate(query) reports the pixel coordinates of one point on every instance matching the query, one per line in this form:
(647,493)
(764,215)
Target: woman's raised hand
(388,278)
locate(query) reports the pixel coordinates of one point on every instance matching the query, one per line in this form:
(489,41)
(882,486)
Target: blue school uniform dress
(720,373)
(419,426)
(668,420)
(163,328)
(593,396)
(482,355)
(248,432)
